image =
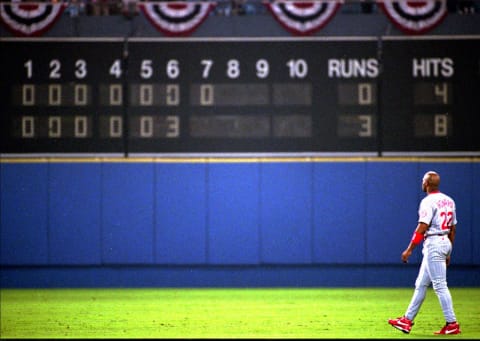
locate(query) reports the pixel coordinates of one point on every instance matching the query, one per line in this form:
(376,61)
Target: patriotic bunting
(181,18)
(176,18)
(415,17)
(29,19)
(303,17)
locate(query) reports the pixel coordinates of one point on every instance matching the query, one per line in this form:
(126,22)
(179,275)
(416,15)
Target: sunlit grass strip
(226,313)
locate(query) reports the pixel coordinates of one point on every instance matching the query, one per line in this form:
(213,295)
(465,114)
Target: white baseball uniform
(438,211)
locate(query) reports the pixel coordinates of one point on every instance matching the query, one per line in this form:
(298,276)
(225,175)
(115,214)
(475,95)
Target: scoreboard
(397,95)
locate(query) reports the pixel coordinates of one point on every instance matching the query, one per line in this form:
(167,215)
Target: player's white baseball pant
(433,270)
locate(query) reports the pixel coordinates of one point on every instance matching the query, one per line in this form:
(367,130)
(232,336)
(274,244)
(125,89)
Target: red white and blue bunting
(303,17)
(179,18)
(415,17)
(30,19)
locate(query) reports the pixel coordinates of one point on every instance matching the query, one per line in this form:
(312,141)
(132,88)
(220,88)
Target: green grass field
(227,313)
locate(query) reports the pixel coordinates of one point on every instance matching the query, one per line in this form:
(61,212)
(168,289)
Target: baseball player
(436,228)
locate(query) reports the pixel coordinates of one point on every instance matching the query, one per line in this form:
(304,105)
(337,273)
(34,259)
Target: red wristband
(417,238)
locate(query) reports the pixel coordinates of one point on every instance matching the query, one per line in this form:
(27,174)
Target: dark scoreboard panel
(430,95)
(240,95)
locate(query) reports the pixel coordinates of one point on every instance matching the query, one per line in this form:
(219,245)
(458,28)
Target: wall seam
(207,213)
(154,213)
(49,252)
(102,170)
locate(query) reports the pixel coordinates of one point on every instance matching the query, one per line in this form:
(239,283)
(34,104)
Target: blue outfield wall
(226,222)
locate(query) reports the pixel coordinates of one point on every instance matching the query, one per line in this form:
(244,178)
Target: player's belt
(437,234)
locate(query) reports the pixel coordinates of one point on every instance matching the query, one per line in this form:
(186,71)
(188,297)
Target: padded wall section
(130,213)
(457,182)
(391,214)
(226,276)
(127,213)
(74,213)
(24,221)
(233,214)
(181,213)
(286,213)
(339,205)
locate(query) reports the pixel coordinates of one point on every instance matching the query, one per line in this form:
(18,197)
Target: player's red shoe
(401,323)
(450,328)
